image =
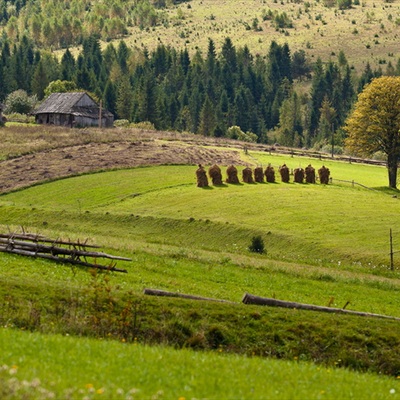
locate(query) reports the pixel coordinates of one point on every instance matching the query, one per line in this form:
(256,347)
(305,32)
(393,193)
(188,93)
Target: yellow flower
(89,386)
(13,370)
(100,391)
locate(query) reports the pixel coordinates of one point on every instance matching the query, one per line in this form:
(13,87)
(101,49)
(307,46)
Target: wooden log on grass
(265,301)
(43,239)
(163,293)
(61,259)
(55,250)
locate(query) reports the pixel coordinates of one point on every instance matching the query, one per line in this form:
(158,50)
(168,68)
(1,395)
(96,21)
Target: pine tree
(207,118)
(67,66)
(211,57)
(40,80)
(110,97)
(146,98)
(122,56)
(318,91)
(229,55)
(124,102)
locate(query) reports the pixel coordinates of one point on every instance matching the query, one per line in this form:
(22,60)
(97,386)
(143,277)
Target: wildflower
(392,391)
(13,370)
(123,340)
(181,398)
(90,387)
(100,391)
(120,391)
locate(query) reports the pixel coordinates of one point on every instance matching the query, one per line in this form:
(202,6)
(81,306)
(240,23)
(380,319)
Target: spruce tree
(124,102)
(67,66)
(207,118)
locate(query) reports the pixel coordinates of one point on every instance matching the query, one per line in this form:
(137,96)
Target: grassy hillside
(326,245)
(367,32)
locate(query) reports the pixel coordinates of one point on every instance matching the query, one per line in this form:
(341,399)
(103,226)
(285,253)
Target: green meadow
(111,370)
(326,245)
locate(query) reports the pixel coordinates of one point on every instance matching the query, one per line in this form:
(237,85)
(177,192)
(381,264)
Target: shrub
(60,86)
(257,244)
(147,125)
(123,123)
(19,102)
(234,132)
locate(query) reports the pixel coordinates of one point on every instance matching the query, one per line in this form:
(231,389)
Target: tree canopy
(374,125)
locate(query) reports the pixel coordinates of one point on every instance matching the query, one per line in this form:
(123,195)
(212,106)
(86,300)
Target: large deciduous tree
(374,124)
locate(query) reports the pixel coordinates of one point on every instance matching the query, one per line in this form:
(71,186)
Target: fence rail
(353,183)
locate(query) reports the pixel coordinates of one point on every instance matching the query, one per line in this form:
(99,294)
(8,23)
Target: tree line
(206,93)
(58,24)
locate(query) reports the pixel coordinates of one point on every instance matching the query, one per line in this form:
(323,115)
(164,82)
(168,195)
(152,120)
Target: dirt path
(52,164)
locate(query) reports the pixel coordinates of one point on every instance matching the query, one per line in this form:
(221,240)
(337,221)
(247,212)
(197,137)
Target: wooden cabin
(75,109)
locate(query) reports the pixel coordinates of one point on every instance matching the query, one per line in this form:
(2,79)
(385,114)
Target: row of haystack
(299,175)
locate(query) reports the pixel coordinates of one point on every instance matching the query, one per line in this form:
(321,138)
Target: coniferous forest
(226,93)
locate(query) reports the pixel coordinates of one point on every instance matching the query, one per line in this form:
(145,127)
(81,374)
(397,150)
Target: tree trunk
(392,170)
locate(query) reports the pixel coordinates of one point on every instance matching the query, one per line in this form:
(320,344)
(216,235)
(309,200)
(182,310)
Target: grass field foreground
(38,366)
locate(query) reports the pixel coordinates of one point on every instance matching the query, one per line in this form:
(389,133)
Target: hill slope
(367,32)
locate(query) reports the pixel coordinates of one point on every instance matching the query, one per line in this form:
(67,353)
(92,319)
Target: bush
(257,244)
(60,86)
(122,123)
(19,102)
(146,125)
(234,132)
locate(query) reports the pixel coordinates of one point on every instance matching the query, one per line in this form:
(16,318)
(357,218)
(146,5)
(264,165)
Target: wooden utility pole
(100,113)
(391,251)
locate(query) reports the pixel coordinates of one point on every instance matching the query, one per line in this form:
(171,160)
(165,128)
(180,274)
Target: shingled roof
(66,103)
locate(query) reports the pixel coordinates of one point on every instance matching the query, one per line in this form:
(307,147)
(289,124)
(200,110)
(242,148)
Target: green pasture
(40,366)
(337,224)
(325,245)
(321,241)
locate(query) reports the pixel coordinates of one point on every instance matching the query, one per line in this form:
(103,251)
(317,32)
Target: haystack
(201,175)
(247,175)
(215,174)
(299,175)
(232,173)
(270,174)
(259,175)
(284,171)
(324,173)
(310,174)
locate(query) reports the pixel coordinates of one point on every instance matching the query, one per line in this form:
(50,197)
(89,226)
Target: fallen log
(265,301)
(163,293)
(75,253)
(55,250)
(62,260)
(43,239)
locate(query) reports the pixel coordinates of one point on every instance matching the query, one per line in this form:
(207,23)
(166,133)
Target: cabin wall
(73,121)
(86,101)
